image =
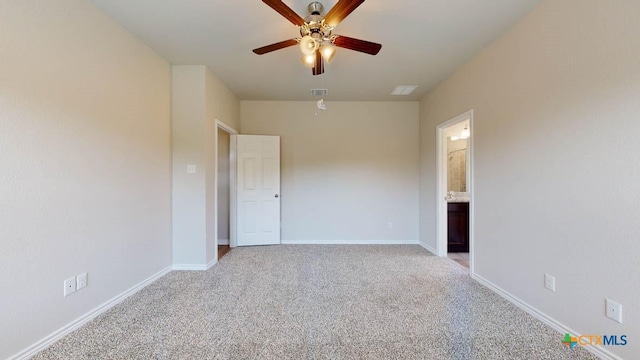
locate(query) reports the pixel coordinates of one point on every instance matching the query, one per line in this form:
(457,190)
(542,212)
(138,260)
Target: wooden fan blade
(277,46)
(318,68)
(340,11)
(285,11)
(357,45)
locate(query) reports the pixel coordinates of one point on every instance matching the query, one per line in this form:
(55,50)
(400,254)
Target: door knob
(277,195)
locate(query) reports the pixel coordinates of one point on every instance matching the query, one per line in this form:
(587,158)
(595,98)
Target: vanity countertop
(458,197)
(458,200)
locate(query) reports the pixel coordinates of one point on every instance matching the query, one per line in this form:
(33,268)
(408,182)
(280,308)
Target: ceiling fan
(317,41)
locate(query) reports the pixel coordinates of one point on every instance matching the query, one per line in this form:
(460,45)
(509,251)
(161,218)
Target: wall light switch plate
(549,282)
(69,286)
(191,169)
(81,281)
(614,310)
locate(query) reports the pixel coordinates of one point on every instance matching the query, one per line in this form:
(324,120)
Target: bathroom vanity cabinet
(458,227)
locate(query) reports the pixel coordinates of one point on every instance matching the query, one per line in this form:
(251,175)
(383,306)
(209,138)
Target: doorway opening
(225,175)
(455,189)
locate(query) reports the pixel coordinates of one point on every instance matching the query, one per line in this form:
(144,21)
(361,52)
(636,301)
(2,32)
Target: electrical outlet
(191,169)
(81,281)
(549,282)
(69,286)
(390,225)
(614,310)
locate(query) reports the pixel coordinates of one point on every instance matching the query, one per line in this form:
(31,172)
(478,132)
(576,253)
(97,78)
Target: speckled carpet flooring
(317,302)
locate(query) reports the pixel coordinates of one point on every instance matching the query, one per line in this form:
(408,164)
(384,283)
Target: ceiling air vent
(404,90)
(319,92)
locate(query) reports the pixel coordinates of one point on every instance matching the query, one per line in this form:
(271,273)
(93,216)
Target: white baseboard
(194,267)
(223,241)
(556,325)
(69,328)
(189,267)
(349,242)
(428,248)
(211,263)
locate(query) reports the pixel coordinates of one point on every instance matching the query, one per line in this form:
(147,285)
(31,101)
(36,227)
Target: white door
(258,190)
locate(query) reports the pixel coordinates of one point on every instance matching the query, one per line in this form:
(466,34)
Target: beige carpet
(317,302)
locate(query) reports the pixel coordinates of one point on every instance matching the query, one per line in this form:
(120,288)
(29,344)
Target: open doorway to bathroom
(455,189)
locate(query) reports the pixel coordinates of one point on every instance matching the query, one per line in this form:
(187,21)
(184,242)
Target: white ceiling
(423,41)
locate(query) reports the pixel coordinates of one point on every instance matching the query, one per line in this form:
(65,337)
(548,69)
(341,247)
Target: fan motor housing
(315,8)
(313,23)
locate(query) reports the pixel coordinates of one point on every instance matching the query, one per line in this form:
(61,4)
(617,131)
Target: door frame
(441,186)
(232,184)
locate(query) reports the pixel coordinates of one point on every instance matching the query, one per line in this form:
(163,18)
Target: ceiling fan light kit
(309,60)
(328,52)
(308,45)
(317,41)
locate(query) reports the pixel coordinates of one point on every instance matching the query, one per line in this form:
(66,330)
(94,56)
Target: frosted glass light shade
(328,52)
(308,60)
(308,45)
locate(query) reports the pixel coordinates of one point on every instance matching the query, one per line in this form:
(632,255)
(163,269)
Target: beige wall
(556,172)
(224,106)
(223,186)
(188,148)
(199,99)
(85,163)
(345,173)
